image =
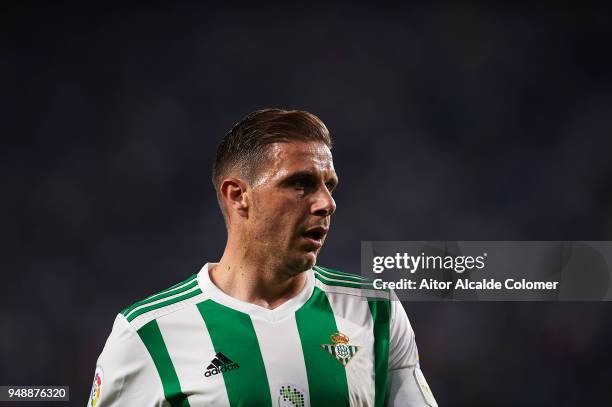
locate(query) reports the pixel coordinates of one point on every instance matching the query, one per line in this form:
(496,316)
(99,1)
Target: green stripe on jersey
(131,316)
(338,281)
(327,382)
(381,312)
(154,342)
(175,289)
(232,334)
(339,274)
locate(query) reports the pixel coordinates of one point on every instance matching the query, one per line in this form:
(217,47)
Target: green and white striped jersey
(339,342)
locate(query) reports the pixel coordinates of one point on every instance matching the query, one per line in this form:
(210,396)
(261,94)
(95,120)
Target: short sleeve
(125,374)
(402,345)
(407,384)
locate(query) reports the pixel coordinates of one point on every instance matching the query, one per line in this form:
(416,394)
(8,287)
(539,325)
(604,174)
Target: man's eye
(303,184)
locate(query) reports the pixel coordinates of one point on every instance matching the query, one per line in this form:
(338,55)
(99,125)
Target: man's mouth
(316,235)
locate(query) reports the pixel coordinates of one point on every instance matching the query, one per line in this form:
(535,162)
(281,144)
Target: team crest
(341,349)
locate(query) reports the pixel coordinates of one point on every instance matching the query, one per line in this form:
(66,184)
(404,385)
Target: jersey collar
(211,291)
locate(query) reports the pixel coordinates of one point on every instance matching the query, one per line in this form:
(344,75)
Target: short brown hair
(244,147)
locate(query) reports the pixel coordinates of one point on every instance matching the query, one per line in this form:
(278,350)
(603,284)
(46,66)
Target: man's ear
(234,193)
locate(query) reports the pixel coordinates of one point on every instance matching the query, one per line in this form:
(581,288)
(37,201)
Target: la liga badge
(96,388)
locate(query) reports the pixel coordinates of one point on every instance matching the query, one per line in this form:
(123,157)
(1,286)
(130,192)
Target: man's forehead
(287,159)
(301,156)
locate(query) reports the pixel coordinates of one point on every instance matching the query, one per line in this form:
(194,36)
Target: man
(265,325)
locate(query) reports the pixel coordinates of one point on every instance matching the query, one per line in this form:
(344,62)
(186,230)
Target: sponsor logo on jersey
(220,364)
(96,388)
(341,349)
(290,396)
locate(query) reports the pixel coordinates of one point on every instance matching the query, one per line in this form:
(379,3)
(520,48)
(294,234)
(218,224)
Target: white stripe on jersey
(282,355)
(354,319)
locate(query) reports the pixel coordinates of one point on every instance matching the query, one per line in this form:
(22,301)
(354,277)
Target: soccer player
(265,325)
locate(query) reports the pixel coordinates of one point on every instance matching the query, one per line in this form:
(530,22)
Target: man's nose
(324,204)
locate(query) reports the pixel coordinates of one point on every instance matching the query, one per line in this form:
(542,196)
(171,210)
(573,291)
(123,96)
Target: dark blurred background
(451,122)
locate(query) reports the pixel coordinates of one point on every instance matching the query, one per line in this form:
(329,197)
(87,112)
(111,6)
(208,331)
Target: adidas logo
(220,364)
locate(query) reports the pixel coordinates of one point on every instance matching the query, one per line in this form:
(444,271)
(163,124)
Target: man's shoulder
(339,282)
(164,302)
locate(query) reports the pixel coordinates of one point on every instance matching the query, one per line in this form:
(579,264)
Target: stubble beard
(284,255)
(292,260)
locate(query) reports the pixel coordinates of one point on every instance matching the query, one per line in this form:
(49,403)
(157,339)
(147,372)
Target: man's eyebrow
(306,174)
(298,175)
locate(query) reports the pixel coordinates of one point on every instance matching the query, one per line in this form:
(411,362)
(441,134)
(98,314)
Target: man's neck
(256,282)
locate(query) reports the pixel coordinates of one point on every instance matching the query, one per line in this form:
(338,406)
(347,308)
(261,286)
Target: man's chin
(304,263)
